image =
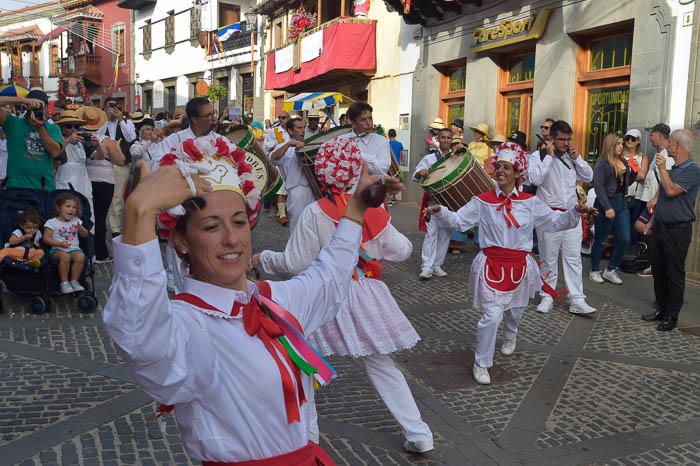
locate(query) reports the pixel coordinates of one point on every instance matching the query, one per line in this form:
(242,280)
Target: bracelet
(359,222)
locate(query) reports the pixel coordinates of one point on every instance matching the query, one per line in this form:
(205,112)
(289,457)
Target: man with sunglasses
(274,137)
(555,177)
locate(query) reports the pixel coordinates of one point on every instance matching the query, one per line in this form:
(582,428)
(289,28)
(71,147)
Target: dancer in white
(370,324)
(504,275)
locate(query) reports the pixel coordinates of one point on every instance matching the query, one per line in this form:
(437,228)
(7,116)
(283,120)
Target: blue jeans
(603,225)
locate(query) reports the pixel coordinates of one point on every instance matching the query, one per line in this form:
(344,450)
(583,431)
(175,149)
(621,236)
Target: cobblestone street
(603,390)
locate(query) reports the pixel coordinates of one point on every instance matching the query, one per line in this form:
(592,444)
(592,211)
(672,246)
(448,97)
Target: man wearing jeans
(672,228)
(555,177)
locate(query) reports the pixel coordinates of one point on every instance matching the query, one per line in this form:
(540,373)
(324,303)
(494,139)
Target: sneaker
(282,221)
(646,273)
(581,309)
(106,260)
(439,272)
(420,446)
(596,277)
(508,347)
(481,375)
(612,277)
(545,305)
(76,285)
(66,288)
(425,274)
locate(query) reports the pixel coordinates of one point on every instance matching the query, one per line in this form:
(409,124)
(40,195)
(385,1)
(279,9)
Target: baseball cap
(634,133)
(662,128)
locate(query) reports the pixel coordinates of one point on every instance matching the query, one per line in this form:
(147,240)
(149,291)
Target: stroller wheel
(87,303)
(38,305)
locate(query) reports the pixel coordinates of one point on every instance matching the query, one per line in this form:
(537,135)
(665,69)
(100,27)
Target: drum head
(240,135)
(446,170)
(260,174)
(312,144)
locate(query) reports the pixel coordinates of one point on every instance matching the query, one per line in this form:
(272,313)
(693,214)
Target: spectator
(431,141)
(72,173)
(672,228)
(161,120)
(100,168)
(343,120)
(458,127)
(313,119)
(268,124)
(545,136)
(611,178)
(396,146)
(639,164)
(148,138)
(520,139)
(31,142)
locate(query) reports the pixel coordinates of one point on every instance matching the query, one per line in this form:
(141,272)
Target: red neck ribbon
(506,205)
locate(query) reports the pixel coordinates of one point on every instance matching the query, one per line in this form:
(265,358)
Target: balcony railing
(87,65)
(238,40)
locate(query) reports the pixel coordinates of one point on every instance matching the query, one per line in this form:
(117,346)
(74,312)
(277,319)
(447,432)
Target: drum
(307,154)
(242,136)
(266,176)
(455,179)
(395,169)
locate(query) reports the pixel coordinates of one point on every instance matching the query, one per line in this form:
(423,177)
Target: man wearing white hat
(312,126)
(431,142)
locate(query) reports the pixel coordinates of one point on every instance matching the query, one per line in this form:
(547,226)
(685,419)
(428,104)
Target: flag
(214,45)
(227,31)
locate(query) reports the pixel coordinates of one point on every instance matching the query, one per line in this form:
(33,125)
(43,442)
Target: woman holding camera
(100,169)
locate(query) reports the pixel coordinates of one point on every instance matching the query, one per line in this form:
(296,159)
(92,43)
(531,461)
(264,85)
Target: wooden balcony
(85,65)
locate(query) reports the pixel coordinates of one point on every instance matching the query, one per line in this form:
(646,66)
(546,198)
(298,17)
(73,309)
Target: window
(171,96)
(522,69)
(148,101)
(147,37)
(170,29)
(452,87)
(601,94)
(54,60)
(247,89)
(119,44)
(278,34)
(515,87)
(229,14)
(195,21)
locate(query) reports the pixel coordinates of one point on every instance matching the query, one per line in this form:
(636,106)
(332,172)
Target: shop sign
(510,32)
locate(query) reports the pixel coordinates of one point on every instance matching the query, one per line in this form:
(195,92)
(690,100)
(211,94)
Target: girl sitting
(25,241)
(61,234)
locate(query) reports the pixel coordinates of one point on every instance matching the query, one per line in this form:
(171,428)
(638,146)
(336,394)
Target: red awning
(57,31)
(348,48)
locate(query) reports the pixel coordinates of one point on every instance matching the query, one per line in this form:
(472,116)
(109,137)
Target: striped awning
(317,100)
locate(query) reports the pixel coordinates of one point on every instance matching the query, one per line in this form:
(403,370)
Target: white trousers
(487,329)
(116,210)
(298,198)
(390,384)
(435,244)
(567,242)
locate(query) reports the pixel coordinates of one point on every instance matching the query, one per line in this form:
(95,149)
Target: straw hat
(498,139)
(137,117)
(313,113)
(457,140)
(482,128)
(69,116)
(94,117)
(437,124)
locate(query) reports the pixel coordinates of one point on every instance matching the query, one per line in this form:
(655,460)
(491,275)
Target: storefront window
(607,113)
(454,111)
(453,84)
(611,52)
(522,69)
(458,80)
(513,115)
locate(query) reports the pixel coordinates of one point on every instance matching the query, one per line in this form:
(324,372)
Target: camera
(89,146)
(38,113)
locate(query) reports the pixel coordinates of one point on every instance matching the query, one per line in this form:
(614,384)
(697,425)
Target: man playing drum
(555,177)
(437,239)
(504,275)
(374,149)
(284,156)
(274,136)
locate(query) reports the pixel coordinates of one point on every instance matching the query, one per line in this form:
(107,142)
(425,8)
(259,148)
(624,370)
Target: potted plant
(216,92)
(302,21)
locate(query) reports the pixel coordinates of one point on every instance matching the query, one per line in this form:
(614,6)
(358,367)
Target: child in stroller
(62,233)
(24,242)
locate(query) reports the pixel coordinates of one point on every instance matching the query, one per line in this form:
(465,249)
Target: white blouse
(74,172)
(225,386)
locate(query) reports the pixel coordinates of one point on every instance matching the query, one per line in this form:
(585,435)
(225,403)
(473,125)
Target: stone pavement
(602,390)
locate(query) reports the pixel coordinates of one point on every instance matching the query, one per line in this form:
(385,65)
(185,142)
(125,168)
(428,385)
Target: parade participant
(504,275)
(493,143)
(274,136)
(431,142)
(374,149)
(437,239)
(228,354)
(284,156)
(370,324)
(312,118)
(479,147)
(555,177)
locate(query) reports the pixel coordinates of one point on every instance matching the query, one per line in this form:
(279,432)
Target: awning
(317,100)
(54,34)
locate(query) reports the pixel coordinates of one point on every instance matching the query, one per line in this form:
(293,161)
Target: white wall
(681,63)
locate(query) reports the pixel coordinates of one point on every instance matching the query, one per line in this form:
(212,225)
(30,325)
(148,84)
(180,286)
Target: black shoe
(656,315)
(666,325)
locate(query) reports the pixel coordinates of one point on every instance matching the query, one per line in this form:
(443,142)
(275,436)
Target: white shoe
(545,305)
(66,288)
(508,347)
(612,277)
(76,285)
(419,446)
(596,277)
(439,272)
(425,274)
(582,309)
(646,273)
(481,375)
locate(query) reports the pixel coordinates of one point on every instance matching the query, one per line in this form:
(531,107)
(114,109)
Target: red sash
(505,268)
(310,455)
(422,225)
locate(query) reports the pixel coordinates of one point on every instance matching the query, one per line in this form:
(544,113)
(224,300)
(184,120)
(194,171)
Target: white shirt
(142,150)
(273,136)
(426,162)
(291,169)
(74,172)
(110,129)
(65,231)
(225,386)
(651,183)
(556,184)
(375,150)
(3,158)
(36,241)
(308,132)
(100,171)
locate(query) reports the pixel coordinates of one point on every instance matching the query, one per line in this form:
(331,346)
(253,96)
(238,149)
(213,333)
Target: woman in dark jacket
(611,178)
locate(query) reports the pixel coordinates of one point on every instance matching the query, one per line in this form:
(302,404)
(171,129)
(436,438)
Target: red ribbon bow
(506,206)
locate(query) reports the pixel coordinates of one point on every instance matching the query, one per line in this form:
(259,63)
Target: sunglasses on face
(630,138)
(71,126)
(544,127)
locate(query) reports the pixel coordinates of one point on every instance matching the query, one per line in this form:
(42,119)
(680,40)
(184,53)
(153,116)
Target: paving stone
(685,454)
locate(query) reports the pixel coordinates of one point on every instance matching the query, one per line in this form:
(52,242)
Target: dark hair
(30,215)
(39,95)
(459,123)
(445,130)
(193,106)
(392,133)
(160,116)
(191,205)
(560,126)
(663,129)
(551,120)
(65,197)
(356,109)
(289,124)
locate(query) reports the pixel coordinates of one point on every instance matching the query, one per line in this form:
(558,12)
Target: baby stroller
(42,284)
